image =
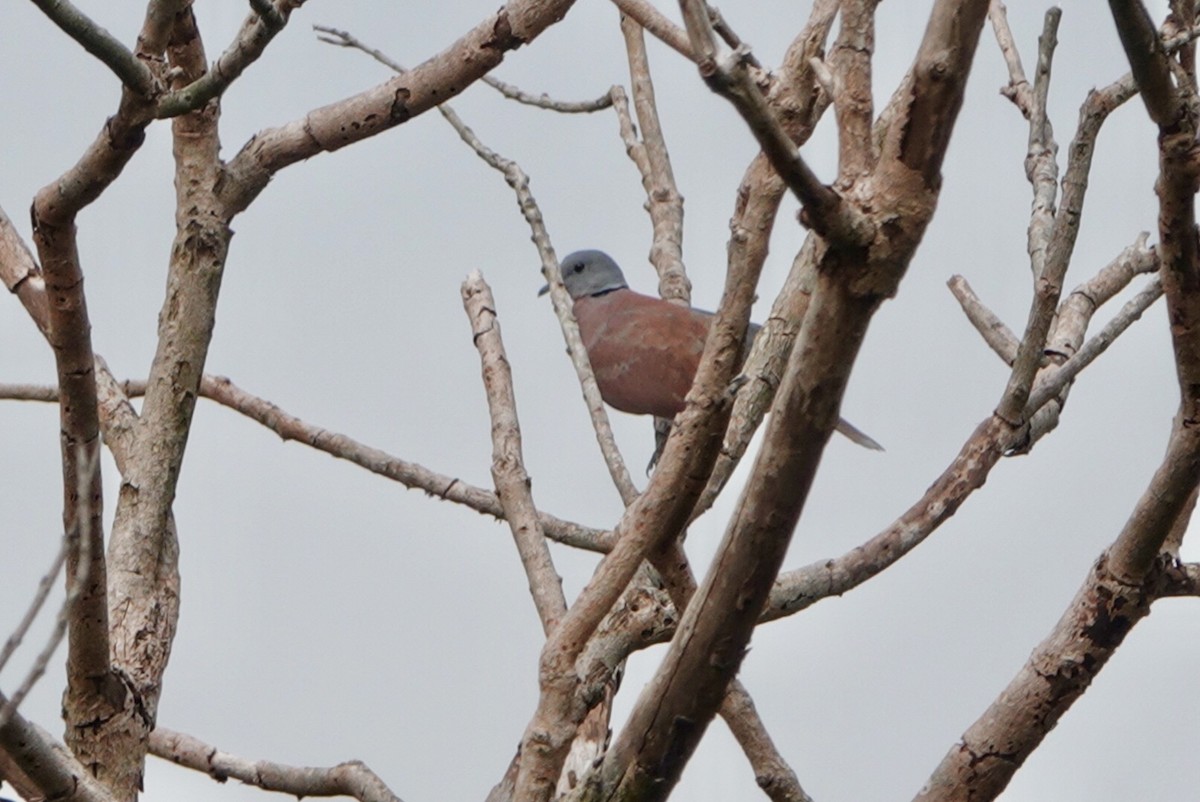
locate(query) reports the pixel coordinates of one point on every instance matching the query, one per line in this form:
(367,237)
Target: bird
(643,350)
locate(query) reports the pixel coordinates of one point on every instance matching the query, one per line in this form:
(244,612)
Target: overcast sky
(329,614)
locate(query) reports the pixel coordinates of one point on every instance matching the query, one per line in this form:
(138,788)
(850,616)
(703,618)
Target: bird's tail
(855,436)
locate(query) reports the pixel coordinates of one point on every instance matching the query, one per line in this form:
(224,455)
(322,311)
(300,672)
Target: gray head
(587,273)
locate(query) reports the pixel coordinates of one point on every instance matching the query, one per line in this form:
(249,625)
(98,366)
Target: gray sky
(329,614)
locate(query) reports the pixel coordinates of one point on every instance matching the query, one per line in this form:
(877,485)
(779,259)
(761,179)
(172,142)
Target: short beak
(543,290)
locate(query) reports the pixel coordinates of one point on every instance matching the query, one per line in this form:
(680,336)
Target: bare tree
(121,607)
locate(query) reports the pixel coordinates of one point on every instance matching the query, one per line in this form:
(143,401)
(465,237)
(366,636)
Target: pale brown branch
(799,589)
(916,125)
(850,64)
(544,101)
(35,606)
(663,201)
(508,464)
(729,76)
(68,331)
(657,25)
(340,38)
(995,333)
(1059,245)
(1148,59)
(257,31)
(1075,313)
(352,778)
(47,764)
(101,44)
(387,105)
(79,565)
(21,274)
(1041,162)
(801,104)
(771,771)
(291,428)
(1017,89)
(1060,669)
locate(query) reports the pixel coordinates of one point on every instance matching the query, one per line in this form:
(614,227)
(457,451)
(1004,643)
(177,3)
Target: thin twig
(290,428)
(340,38)
(77,584)
(1017,89)
(35,605)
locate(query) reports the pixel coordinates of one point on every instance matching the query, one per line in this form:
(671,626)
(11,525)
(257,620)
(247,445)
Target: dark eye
(578,268)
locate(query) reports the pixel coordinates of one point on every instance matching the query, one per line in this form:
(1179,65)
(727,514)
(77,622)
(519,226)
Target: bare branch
(385,106)
(1075,313)
(508,468)
(68,331)
(1060,669)
(342,38)
(21,274)
(1148,58)
(850,62)
(799,589)
(824,209)
(352,778)
(257,31)
(79,565)
(47,764)
(101,44)
(800,104)
(1018,89)
(916,126)
(996,334)
(1059,244)
(771,771)
(773,775)
(409,474)
(544,101)
(663,201)
(658,26)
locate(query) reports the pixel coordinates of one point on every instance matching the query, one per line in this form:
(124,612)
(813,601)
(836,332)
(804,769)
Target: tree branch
(47,764)
(729,76)
(1148,59)
(663,201)
(995,333)
(352,778)
(257,31)
(291,428)
(101,44)
(658,25)
(508,468)
(385,106)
